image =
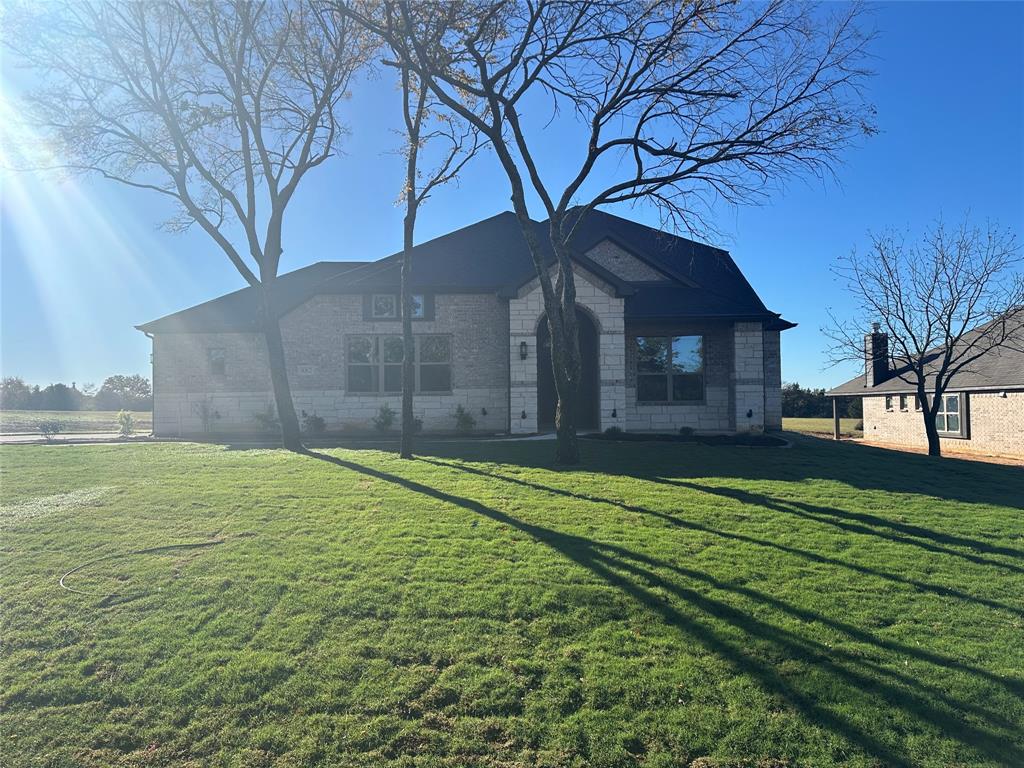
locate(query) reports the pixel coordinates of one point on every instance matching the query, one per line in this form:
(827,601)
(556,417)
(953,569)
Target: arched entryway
(587,405)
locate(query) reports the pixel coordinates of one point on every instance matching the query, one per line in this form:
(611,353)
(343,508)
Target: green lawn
(847,427)
(21,422)
(665,605)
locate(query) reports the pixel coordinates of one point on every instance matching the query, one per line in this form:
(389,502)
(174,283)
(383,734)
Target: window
(669,369)
(418,307)
(917,402)
(949,419)
(217,359)
(375,363)
(384,305)
(903,403)
(888,402)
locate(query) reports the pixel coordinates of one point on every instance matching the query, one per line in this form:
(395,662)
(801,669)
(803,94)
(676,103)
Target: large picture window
(375,363)
(669,369)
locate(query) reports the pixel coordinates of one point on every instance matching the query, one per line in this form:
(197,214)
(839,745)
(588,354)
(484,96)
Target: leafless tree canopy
(944,303)
(680,103)
(222,106)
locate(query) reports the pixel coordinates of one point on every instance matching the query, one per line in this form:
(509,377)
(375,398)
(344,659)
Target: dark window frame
(379,365)
(888,404)
(670,374)
(904,404)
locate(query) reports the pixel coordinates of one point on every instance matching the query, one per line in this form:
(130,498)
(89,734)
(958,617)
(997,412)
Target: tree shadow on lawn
(810,458)
(769,503)
(867,682)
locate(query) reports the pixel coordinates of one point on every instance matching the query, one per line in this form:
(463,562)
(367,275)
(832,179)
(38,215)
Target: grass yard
(24,422)
(665,605)
(847,427)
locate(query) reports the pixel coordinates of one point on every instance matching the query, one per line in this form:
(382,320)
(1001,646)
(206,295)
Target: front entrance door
(587,405)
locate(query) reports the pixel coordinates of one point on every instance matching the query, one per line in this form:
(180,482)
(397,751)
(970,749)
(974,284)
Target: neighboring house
(982,409)
(671,335)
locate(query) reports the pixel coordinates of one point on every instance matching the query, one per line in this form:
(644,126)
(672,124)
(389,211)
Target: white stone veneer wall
(748,376)
(525,312)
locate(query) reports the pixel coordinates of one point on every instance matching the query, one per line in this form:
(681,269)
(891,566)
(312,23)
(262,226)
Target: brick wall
(995,424)
(314,337)
(715,414)
(772,348)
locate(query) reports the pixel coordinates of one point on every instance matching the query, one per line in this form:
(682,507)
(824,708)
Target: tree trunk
(408,374)
(290,435)
(934,446)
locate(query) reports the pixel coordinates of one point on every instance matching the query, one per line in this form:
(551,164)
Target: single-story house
(982,408)
(671,334)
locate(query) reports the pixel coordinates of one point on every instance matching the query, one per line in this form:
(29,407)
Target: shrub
(207,415)
(859,425)
(686,431)
(612,431)
(464,421)
(267,419)
(50,427)
(312,424)
(125,423)
(385,418)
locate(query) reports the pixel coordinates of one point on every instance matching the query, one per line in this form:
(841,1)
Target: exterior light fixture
(522,350)
(615,413)
(522,415)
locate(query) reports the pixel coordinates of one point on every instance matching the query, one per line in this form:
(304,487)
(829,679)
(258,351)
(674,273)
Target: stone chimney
(876,356)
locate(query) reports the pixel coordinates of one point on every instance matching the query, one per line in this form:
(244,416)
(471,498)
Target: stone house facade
(661,351)
(983,407)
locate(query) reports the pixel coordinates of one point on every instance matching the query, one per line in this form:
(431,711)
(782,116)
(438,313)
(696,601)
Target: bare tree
(943,304)
(681,104)
(424,125)
(223,107)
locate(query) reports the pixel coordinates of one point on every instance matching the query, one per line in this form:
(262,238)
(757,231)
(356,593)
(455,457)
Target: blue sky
(84,260)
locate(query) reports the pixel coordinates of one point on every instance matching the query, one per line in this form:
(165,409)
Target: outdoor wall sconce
(522,415)
(522,351)
(615,413)
(483,411)
(750,413)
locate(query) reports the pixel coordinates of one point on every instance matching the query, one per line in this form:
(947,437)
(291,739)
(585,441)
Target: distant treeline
(798,402)
(131,393)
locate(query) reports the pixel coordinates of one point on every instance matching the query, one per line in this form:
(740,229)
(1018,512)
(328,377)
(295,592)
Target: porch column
(835,418)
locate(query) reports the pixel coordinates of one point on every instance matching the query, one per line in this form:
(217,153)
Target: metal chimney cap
(876,327)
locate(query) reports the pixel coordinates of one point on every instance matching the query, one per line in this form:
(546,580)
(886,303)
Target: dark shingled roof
(1002,368)
(492,256)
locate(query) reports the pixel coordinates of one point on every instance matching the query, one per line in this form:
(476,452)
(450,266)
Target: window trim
(379,365)
(904,404)
(668,372)
(888,404)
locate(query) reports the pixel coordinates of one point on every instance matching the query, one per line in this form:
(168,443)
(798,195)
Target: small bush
(125,424)
(267,420)
(464,421)
(385,419)
(612,431)
(50,427)
(207,415)
(312,424)
(686,431)
(859,425)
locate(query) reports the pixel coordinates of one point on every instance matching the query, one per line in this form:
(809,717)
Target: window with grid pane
(669,369)
(375,364)
(949,419)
